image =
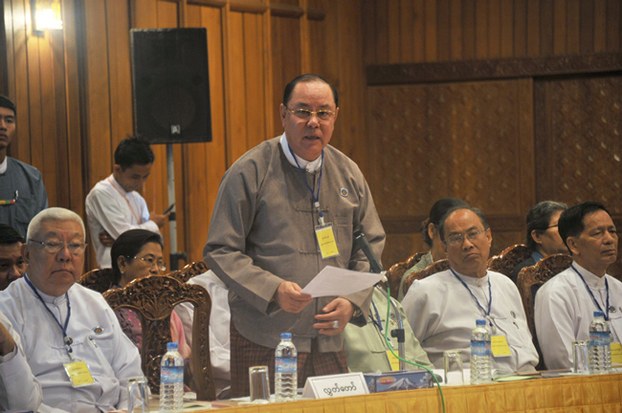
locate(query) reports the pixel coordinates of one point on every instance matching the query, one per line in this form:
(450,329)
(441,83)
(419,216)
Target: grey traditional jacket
(262,232)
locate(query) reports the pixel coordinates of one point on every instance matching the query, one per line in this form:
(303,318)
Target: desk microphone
(360,243)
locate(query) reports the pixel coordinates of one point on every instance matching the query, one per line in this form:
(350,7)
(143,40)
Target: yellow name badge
(394,362)
(79,373)
(616,353)
(499,346)
(326,241)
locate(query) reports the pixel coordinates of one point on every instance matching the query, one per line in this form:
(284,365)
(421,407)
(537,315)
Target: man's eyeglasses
(306,114)
(458,239)
(10,201)
(54,247)
(152,261)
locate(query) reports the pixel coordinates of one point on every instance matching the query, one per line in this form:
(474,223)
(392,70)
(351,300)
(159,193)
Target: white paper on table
(333,281)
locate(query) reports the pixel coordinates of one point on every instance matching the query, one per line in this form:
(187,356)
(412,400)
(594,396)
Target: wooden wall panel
(578,143)
(413,31)
(466,140)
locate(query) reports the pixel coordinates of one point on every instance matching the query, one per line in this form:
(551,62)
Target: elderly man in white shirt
(442,308)
(565,304)
(71,339)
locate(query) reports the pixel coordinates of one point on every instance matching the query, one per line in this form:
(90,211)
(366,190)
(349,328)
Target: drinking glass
(259,384)
(452,363)
(138,389)
(580,357)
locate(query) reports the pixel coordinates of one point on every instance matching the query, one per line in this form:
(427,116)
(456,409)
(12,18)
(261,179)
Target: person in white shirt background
(115,205)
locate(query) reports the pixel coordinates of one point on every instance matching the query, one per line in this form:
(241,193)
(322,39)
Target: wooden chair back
(436,266)
(396,272)
(98,279)
(529,280)
(509,258)
(154,297)
(189,271)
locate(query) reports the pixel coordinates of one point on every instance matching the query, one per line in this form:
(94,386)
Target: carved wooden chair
(189,271)
(436,266)
(396,272)
(509,258)
(98,279)
(530,279)
(154,297)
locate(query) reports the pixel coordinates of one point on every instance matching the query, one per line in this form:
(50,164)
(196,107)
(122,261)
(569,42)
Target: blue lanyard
(486,313)
(66,339)
(376,317)
(589,290)
(314,197)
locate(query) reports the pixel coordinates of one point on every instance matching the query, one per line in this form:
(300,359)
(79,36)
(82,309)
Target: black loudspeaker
(171,85)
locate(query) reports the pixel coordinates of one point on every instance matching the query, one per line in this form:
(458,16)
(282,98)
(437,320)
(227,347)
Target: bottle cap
(480,322)
(171,346)
(286,336)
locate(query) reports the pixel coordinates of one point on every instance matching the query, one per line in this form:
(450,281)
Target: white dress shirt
(442,314)
(97,340)
(109,208)
(564,310)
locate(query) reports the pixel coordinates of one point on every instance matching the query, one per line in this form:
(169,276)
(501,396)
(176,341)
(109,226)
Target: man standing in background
(114,205)
(22,193)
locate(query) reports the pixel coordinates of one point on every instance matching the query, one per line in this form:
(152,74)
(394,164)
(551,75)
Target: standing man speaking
(273,206)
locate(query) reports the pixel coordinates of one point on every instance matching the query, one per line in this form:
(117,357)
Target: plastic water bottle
(172,380)
(285,369)
(480,354)
(599,345)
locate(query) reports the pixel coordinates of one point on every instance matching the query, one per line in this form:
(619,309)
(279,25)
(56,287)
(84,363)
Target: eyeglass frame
(161,266)
(54,247)
(457,239)
(309,114)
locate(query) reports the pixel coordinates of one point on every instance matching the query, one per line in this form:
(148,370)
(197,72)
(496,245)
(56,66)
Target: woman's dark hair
(538,218)
(129,244)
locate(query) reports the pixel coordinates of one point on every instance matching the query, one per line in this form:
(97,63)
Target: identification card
(499,346)
(394,362)
(616,353)
(326,240)
(79,373)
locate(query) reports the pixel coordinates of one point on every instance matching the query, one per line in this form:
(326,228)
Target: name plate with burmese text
(335,385)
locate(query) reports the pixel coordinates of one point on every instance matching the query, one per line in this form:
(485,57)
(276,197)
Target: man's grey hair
(53,214)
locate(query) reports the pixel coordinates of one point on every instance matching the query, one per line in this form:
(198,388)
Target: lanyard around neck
(589,290)
(66,339)
(315,197)
(486,312)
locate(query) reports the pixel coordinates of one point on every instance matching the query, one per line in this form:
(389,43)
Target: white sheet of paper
(333,281)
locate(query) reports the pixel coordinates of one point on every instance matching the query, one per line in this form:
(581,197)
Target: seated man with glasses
(135,254)
(442,308)
(71,339)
